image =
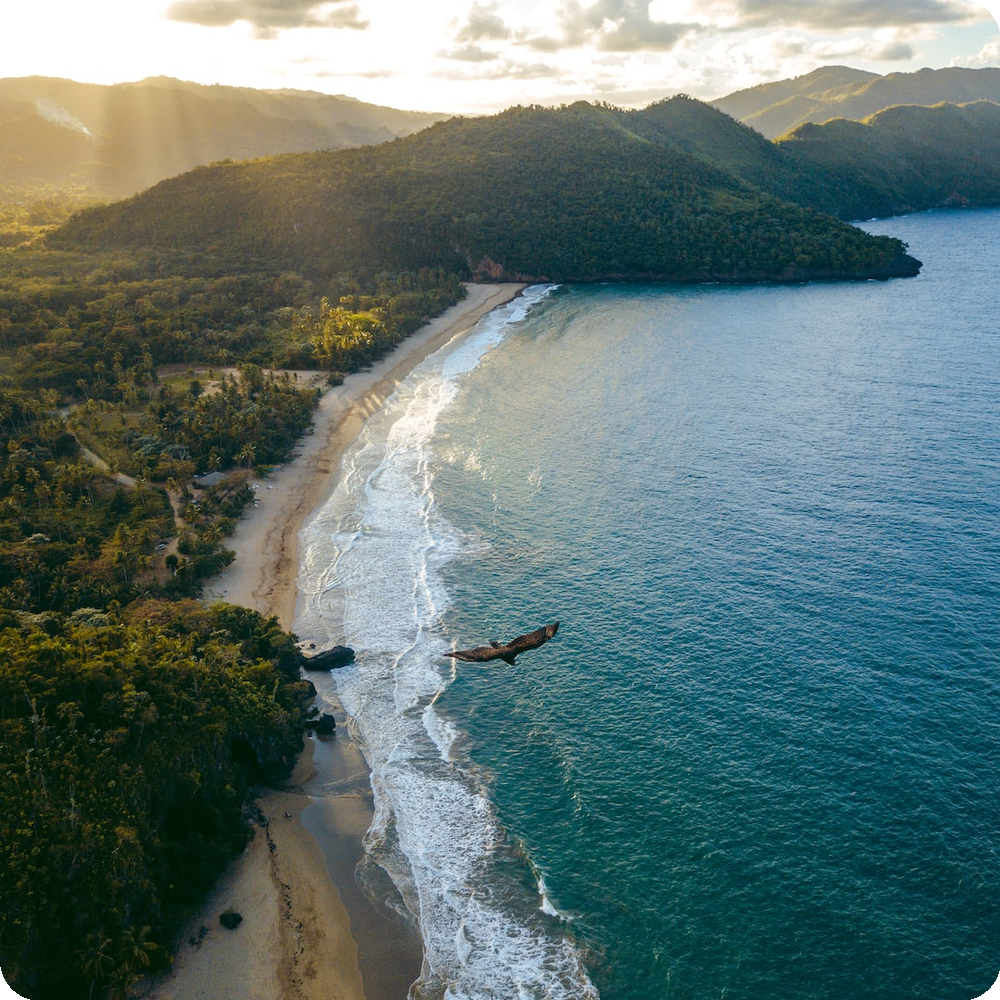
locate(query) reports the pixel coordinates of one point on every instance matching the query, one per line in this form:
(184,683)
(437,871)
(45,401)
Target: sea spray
(371,577)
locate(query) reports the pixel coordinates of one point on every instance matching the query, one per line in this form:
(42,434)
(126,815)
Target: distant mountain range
(111,141)
(774,109)
(676,191)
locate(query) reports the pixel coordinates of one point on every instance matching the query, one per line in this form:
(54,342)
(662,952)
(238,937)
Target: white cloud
(484,23)
(608,26)
(826,15)
(268,16)
(841,15)
(470,55)
(988,55)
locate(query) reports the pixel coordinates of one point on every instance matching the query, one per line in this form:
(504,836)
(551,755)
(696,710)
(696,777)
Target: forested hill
(116,140)
(774,109)
(572,193)
(903,159)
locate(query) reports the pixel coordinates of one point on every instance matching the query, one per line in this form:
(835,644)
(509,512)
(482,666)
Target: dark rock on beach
(230,920)
(329,659)
(325,725)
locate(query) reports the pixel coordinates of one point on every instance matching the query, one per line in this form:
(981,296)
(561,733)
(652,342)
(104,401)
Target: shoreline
(263,575)
(308,931)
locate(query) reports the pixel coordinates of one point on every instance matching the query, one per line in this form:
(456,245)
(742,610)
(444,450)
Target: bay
(759,759)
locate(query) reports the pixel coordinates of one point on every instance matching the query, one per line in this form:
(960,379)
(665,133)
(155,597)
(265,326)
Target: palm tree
(95,958)
(137,951)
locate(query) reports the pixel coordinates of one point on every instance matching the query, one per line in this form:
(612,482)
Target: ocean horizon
(759,757)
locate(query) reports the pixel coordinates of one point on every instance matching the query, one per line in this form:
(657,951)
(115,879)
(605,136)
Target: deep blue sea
(760,759)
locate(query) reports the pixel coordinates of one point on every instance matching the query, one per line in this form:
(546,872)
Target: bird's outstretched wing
(532,640)
(478,654)
(509,650)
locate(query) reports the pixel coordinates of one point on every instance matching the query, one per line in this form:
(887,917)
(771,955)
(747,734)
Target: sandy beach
(308,931)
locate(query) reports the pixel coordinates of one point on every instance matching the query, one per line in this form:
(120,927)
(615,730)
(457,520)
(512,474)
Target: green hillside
(702,131)
(131,741)
(774,109)
(114,141)
(531,194)
(903,159)
(143,333)
(825,82)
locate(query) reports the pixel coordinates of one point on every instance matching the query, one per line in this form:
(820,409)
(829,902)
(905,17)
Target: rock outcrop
(329,659)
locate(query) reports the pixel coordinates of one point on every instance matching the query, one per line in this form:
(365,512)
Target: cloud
(611,26)
(383,73)
(837,50)
(733,61)
(470,53)
(525,71)
(268,17)
(498,68)
(989,55)
(484,24)
(851,13)
(898,51)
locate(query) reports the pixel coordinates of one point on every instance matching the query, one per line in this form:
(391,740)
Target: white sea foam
(371,577)
(546,905)
(441,730)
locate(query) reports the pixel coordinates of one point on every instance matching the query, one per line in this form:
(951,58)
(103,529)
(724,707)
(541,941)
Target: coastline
(308,932)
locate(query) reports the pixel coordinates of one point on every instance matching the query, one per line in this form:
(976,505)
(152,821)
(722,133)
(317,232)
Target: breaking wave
(371,577)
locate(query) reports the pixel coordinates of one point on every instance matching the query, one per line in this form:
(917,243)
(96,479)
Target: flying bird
(508,650)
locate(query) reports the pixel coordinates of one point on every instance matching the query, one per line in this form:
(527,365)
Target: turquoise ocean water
(760,759)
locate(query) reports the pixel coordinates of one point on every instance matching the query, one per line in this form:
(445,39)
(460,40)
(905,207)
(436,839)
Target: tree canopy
(139,342)
(129,742)
(561,194)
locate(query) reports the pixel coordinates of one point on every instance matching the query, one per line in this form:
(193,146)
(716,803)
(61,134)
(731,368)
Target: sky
(480,56)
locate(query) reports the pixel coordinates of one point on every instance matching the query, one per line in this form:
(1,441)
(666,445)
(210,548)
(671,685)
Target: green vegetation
(76,321)
(248,417)
(73,534)
(774,109)
(111,141)
(568,194)
(84,340)
(147,342)
(133,722)
(25,221)
(70,537)
(130,741)
(900,160)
